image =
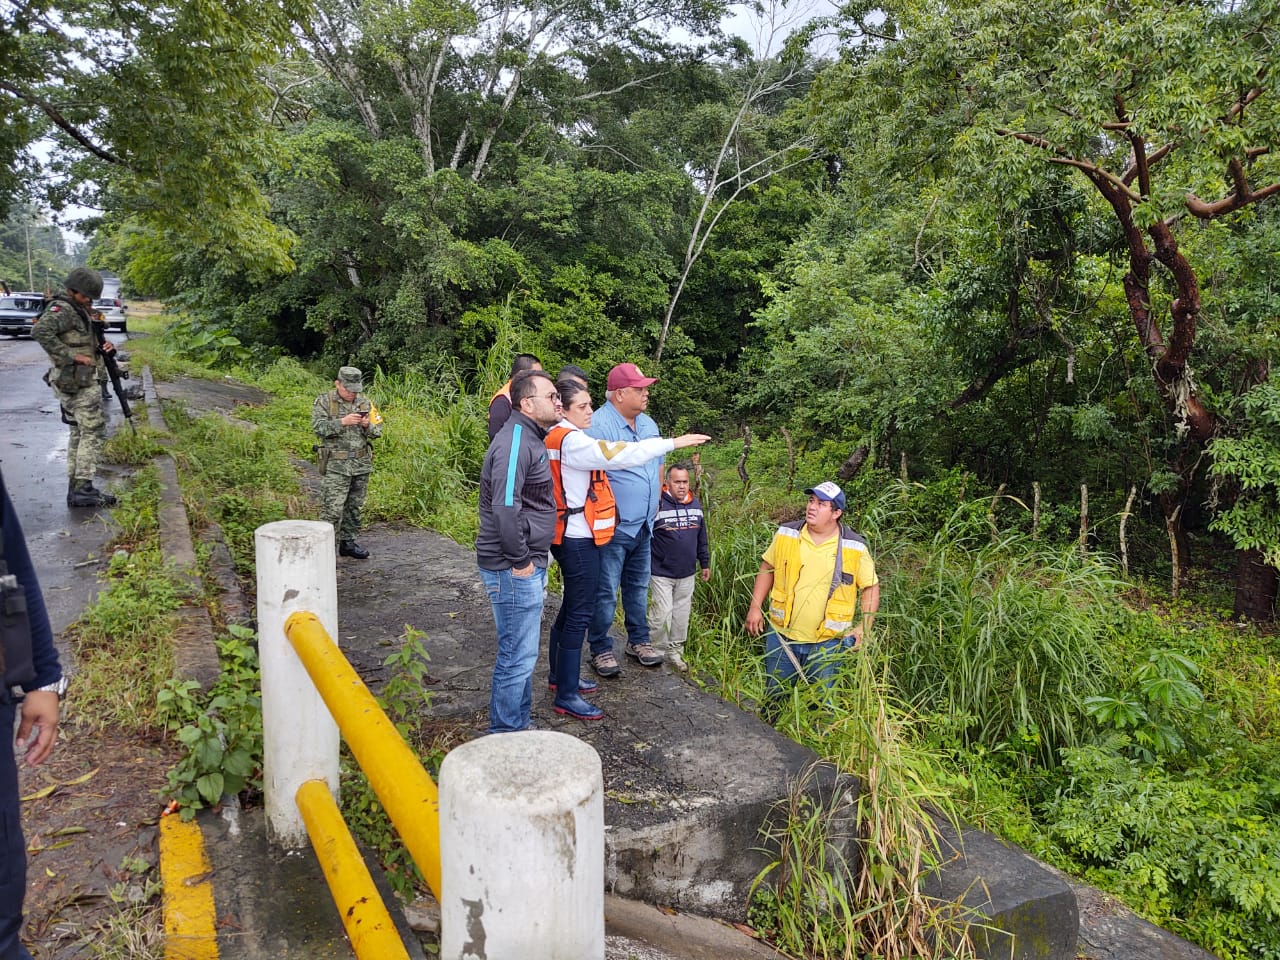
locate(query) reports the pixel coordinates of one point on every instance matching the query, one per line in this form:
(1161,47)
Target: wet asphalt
(66,545)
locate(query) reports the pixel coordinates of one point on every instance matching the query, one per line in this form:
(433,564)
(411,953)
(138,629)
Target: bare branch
(62,123)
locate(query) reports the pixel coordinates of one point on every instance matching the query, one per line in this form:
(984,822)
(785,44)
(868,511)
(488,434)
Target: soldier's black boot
(84,494)
(349,548)
(106,394)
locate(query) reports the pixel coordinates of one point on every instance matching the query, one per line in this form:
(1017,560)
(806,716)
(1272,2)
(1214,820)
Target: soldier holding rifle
(65,331)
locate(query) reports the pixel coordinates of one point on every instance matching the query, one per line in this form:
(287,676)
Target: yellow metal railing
(406,791)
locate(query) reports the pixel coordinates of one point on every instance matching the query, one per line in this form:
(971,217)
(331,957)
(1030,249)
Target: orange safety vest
(504,392)
(600,509)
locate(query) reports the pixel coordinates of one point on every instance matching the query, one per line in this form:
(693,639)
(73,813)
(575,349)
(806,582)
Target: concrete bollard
(296,564)
(522,849)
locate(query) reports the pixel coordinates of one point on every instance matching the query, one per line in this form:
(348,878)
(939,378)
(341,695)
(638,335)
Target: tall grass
(427,462)
(1006,636)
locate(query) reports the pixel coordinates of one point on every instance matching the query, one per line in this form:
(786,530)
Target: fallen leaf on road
(67,831)
(46,791)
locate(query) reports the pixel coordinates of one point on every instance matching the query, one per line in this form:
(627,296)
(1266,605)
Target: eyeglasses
(553,397)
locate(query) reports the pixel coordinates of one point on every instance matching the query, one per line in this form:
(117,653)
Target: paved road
(66,545)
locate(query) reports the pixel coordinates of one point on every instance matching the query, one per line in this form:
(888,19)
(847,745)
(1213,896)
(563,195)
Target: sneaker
(605,664)
(676,661)
(645,653)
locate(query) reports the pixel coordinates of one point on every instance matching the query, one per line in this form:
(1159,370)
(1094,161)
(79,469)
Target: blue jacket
(637,488)
(44,654)
(679,544)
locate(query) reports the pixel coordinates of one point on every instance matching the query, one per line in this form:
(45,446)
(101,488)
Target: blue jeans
(624,565)
(820,660)
(579,560)
(517,611)
(13,849)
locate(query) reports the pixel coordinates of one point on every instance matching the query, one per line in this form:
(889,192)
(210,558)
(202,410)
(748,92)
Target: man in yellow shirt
(822,590)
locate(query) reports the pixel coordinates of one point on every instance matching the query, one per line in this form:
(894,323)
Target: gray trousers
(669,603)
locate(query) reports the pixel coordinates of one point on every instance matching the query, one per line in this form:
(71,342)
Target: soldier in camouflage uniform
(65,330)
(345,421)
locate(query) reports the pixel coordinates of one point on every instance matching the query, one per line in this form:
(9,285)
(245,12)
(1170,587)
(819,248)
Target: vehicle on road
(18,312)
(113,312)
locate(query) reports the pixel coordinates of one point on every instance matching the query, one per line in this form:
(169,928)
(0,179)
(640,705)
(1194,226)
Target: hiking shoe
(676,661)
(645,653)
(605,664)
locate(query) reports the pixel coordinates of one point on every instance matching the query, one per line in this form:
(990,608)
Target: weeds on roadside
(406,701)
(136,931)
(220,732)
(123,640)
(133,447)
(851,863)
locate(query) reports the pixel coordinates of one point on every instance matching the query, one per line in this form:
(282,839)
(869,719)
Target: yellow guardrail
(395,773)
(368,923)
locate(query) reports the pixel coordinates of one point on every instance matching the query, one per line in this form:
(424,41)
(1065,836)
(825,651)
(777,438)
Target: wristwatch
(59,687)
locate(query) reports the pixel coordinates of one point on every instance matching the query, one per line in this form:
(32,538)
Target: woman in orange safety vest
(577,462)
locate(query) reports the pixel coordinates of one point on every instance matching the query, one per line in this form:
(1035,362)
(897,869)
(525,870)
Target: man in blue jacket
(679,548)
(517,522)
(31,662)
(624,560)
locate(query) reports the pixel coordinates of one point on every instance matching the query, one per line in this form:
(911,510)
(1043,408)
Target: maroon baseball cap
(627,375)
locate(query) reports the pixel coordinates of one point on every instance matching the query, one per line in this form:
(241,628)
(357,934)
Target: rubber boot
(568,701)
(585,687)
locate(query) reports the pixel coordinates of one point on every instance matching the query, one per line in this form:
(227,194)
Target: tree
(156,110)
(469,77)
(1168,111)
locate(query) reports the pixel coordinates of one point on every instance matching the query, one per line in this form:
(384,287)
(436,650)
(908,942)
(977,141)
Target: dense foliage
(1008,271)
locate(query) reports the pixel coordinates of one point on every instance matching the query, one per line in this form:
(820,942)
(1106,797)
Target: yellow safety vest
(842,600)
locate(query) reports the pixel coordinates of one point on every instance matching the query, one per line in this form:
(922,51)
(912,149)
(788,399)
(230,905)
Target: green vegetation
(220,731)
(1006,271)
(406,700)
(123,643)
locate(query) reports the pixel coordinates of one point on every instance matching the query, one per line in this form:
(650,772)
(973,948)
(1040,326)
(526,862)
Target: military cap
(351,378)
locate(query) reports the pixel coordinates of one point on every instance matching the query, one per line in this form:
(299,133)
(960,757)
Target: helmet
(85,281)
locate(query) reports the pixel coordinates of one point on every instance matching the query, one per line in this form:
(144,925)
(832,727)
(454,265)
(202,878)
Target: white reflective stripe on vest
(837,626)
(604,524)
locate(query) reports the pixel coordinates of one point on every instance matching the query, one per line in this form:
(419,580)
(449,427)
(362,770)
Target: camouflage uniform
(346,457)
(65,330)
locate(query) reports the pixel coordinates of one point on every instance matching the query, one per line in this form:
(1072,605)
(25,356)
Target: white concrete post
(522,849)
(296,566)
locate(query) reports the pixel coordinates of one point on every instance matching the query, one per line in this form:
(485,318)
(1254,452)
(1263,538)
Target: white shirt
(580,454)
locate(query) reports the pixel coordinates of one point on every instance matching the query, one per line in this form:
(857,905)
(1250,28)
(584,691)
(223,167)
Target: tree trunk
(1255,587)
(1179,546)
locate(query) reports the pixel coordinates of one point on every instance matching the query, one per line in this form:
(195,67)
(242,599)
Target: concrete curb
(195,653)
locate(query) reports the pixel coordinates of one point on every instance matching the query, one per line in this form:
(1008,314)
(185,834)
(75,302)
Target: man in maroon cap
(624,560)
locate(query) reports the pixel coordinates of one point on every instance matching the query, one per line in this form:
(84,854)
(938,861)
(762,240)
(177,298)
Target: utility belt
(325,455)
(72,377)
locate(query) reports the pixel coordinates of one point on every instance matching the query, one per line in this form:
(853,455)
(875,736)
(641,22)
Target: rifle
(113,370)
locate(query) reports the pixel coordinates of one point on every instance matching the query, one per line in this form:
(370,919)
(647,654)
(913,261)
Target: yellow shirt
(817,563)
